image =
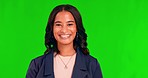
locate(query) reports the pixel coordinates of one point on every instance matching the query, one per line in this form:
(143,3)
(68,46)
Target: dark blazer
(85,67)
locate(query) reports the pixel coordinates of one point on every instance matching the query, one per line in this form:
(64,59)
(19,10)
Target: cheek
(55,31)
(73,29)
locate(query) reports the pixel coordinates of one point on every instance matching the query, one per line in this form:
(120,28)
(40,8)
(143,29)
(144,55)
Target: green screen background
(117,34)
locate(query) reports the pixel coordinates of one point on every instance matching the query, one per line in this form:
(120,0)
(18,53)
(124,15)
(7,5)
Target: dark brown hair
(81,36)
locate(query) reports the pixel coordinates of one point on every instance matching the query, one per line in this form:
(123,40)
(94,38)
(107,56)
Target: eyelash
(60,24)
(70,24)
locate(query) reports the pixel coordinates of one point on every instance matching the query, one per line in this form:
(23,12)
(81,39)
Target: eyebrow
(58,22)
(69,21)
(61,22)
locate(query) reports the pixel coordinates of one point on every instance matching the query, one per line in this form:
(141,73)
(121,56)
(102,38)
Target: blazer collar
(79,70)
(49,63)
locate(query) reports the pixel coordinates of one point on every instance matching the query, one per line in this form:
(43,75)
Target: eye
(70,24)
(57,24)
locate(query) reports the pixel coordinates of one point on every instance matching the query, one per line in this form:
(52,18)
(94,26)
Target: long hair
(81,36)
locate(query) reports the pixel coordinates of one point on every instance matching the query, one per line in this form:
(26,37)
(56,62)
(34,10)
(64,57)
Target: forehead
(64,16)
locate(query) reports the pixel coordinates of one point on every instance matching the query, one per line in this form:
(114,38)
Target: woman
(67,55)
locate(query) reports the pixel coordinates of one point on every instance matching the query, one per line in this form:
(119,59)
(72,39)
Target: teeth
(64,36)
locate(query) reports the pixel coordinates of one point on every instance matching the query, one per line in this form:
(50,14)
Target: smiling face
(64,28)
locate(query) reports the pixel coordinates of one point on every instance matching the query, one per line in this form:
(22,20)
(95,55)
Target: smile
(65,36)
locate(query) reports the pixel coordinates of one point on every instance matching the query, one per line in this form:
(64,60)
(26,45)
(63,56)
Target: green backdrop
(117,34)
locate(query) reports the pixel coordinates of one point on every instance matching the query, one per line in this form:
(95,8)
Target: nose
(64,29)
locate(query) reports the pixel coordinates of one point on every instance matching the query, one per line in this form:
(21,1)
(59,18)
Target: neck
(66,50)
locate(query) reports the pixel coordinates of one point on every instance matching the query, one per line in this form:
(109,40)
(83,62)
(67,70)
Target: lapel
(79,70)
(48,71)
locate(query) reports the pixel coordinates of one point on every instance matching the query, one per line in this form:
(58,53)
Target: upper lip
(64,34)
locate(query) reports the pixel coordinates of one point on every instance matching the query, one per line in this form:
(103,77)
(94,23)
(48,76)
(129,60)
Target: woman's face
(64,28)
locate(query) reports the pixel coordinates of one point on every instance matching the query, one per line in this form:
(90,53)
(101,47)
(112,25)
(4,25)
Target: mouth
(64,36)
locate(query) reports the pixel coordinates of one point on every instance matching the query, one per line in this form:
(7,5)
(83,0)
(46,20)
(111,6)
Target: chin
(66,42)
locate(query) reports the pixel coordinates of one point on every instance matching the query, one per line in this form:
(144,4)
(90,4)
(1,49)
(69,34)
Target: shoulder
(35,66)
(93,66)
(38,61)
(91,59)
